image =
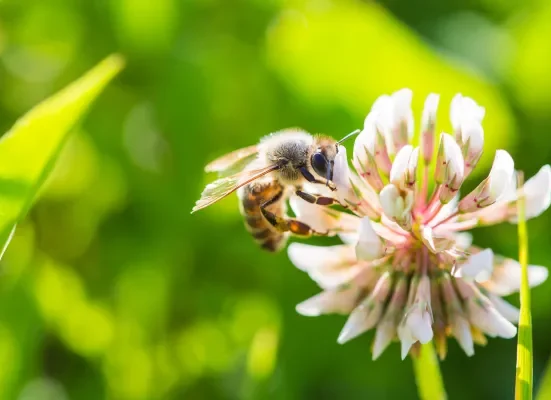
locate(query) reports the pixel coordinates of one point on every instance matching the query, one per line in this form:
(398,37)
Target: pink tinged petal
(510,312)
(404,332)
(390,231)
(339,301)
(436,244)
(366,315)
(365,163)
(328,266)
(370,245)
(445,211)
(537,193)
(493,214)
(386,329)
(460,326)
(494,187)
(450,167)
(478,264)
(428,123)
(505,278)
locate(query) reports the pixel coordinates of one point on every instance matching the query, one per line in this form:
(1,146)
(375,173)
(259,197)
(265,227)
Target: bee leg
(283,224)
(316,198)
(312,179)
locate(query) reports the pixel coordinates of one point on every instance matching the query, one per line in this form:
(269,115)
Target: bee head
(323,158)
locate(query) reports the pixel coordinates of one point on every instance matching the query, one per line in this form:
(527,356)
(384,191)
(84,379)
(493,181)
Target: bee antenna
(349,136)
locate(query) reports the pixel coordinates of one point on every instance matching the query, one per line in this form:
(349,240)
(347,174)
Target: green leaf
(524,376)
(29,150)
(427,374)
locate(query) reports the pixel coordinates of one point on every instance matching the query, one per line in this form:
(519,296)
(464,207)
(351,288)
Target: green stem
(523,382)
(427,374)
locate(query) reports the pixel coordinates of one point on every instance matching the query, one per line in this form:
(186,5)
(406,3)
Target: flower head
(407,269)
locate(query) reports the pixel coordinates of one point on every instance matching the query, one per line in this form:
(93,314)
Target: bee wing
(224,186)
(233,162)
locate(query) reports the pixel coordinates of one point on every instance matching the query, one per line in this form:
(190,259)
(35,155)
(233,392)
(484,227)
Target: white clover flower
(407,269)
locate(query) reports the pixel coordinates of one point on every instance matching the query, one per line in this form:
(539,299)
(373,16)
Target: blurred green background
(111,289)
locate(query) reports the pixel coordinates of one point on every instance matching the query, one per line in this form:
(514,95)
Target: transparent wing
(224,186)
(233,162)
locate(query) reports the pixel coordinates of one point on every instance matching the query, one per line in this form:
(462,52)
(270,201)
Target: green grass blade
(427,374)
(523,382)
(544,391)
(29,150)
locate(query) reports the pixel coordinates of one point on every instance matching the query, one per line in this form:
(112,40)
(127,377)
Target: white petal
(349,238)
(389,198)
(323,219)
(386,330)
(402,101)
(461,330)
(505,278)
(463,240)
(537,191)
(472,131)
(430,108)
(456,111)
(436,244)
(489,320)
(501,174)
(365,140)
(370,245)
(400,165)
(406,340)
(428,126)
(364,317)
(510,312)
(329,301)
(479,263)
(420,325)
(341,176)
(464,108)
(450,165)
(328,266)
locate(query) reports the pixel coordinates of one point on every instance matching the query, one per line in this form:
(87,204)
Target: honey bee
(266,174)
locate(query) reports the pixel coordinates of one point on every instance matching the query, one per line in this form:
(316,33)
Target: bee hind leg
(283,224)
(316,198)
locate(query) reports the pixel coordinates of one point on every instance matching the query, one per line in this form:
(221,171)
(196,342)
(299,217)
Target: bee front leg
(283,224)
(310,178)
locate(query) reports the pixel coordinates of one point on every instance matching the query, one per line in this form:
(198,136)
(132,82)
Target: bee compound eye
(319,164)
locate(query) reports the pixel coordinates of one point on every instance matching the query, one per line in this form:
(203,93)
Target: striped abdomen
(251,197)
